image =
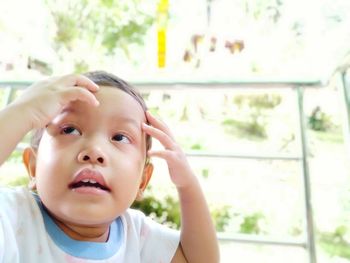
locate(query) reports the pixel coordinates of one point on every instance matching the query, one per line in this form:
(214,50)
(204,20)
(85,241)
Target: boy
(88,162)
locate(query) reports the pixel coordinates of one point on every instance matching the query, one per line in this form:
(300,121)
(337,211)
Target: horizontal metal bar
(257,83)
(240,156)
(231,84)
(254,239)
(15,84)
(22,146)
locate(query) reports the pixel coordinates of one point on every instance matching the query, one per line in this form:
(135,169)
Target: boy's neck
(85,233)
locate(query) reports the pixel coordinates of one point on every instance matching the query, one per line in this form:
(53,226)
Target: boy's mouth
(89,178)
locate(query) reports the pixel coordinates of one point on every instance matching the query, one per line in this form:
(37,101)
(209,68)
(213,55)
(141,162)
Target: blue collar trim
(83,249)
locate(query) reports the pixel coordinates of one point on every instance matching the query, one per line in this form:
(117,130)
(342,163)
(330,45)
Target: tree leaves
(100,27)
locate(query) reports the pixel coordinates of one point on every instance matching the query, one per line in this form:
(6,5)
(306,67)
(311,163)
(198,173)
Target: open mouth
(89,179)
(88,183)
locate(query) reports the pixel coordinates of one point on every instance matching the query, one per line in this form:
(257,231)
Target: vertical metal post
(346,95)
(307,189)
(10,95)
(208,13)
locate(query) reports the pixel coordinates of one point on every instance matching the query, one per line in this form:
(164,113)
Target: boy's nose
(93,156)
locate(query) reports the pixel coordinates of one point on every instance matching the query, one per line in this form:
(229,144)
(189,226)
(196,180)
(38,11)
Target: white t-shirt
(28,234)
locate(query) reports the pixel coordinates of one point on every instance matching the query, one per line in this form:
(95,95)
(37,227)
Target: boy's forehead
(114,103)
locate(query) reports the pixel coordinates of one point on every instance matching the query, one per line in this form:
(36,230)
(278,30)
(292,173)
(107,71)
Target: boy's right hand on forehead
(44,100)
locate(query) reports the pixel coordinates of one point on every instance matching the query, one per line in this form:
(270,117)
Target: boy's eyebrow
(68,109)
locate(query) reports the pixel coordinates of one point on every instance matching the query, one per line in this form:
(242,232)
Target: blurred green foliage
(252,223)
(251,129)
(335,136)
(16,157)
(196,146)
(19,181)
(100,26)
(258,102)
(335,243)
(164,211)
(167,211)
(205,172)
(221,217)
(253,120)
(269,10)
(319,120)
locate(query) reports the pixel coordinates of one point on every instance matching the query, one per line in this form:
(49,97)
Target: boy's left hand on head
(195,235)
(179,169)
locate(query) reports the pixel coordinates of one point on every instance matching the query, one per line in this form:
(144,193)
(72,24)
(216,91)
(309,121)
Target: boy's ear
(29,160)
(147,174)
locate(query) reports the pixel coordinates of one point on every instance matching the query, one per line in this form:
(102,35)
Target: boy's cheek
(55,142)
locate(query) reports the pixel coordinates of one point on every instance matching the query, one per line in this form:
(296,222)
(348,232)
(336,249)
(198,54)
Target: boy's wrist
(19,113)
(190,187)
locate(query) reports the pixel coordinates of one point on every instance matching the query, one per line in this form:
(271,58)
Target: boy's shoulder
(137,220)
(154,240)
(133,217)
(14,195)
(134,213)
(19,196)
(18,206)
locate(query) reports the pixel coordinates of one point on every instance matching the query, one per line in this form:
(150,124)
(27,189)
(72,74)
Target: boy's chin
(82,217)
(88,220)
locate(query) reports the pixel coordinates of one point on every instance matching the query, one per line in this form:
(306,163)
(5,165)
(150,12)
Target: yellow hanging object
(162,19)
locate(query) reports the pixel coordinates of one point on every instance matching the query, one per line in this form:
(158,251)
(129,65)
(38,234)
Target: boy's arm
(198,237)
(14,125)
(38,105)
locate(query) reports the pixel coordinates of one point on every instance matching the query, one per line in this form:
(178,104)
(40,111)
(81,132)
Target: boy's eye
(121,138)
(70,130)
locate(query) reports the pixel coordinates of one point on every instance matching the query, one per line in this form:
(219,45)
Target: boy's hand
(45,99)
(179,168)
(196,235)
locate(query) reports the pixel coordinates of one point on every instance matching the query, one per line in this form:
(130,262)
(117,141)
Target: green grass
(335,137)
(250,130)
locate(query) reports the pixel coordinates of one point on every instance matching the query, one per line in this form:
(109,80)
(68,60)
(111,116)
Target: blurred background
(232,79)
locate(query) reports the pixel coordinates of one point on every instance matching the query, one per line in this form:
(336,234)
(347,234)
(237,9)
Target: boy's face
(84,145)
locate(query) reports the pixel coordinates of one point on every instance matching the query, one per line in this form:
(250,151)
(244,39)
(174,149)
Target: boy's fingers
(161,136)
(163,154)
(80,93)
(82,81)
(158,124)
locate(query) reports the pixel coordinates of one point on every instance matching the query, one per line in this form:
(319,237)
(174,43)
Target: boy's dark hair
(103,78)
